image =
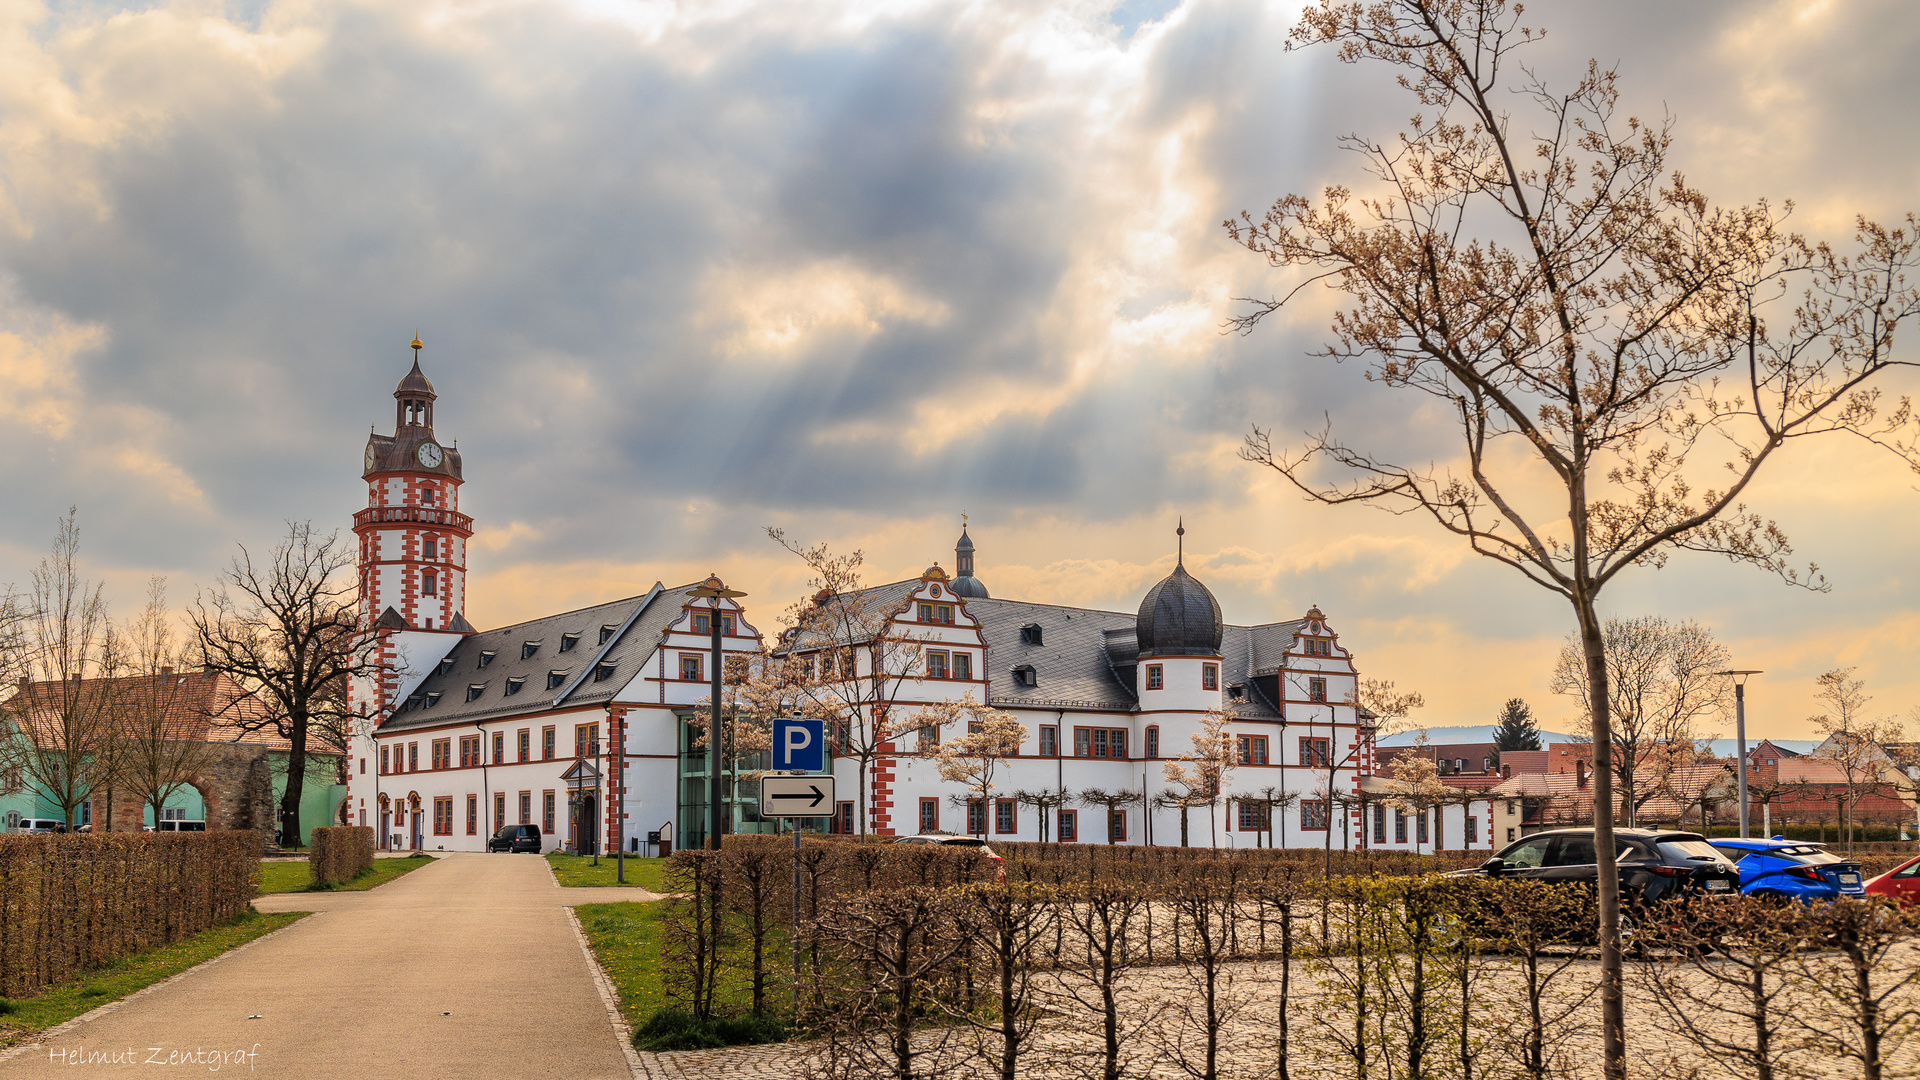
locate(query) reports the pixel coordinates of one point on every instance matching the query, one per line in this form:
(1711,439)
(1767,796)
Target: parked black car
(516,838)
(1654,864)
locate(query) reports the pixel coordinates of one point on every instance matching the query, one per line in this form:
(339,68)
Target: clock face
(372,457)
(429,455)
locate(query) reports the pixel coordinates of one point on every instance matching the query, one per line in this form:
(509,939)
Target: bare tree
(63,737)
(1574,308)
(1854,741)
(1664,682)
(1110,803)
(1199,776)
(972,760)
(1043,802)
(850,660)
(160,729)
(288,632)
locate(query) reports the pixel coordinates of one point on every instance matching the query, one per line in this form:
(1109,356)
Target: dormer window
(602,672)
(474,690)
(1237,692)
(568,641)
(485,659)
(1024,675)
(528,648)
(555,678)
(607,632)
(514,685)
(1030,635)
(416,701)
(445,666)
(433,698)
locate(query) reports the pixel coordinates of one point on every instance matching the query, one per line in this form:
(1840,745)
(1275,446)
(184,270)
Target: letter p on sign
(799,745)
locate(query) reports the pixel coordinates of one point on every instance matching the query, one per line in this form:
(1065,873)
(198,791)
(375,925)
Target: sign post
(795,797)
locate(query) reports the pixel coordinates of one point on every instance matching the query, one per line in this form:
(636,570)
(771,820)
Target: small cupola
(414,396)
(964,583)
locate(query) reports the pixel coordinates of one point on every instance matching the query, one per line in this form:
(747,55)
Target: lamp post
(1740,736)
(713,590)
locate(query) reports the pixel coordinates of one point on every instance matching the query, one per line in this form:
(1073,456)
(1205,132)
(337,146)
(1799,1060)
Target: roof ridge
(589,607)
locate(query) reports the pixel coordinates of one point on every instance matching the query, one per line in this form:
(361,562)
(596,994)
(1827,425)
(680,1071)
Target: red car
(1900,884)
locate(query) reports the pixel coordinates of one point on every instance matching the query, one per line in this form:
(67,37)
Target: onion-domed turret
(964,583)
(1179,616)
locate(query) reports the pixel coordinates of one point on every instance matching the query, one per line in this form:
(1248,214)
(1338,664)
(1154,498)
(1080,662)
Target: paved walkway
(469,969)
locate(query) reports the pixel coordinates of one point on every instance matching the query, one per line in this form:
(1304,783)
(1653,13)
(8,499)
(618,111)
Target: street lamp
(713,590)
(1740,736)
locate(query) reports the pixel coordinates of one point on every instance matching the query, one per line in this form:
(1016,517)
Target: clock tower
(413,537)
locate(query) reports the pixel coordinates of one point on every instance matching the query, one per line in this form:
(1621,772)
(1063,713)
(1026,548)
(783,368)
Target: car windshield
(1693,850)
(964,841)
(1810,856)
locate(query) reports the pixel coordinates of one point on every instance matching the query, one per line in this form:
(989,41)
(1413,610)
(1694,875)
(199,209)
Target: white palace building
(530,723)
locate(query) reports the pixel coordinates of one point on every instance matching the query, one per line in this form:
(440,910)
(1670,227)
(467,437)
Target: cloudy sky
(852,269)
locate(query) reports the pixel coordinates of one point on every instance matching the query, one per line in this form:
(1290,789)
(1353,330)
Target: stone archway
(235,782)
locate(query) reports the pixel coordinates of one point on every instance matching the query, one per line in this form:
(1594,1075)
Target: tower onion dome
(415,384)
(964,583)
(1179,617)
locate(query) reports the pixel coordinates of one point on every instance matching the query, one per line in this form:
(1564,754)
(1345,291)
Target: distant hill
(1468,734)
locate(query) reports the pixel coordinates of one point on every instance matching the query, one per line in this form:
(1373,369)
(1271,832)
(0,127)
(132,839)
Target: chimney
(1506,772)
(1580,770)
(25,682)
(166,671)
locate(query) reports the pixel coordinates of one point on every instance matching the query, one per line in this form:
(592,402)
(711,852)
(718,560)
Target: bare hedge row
(72,903)
(1258,967)
(340,853)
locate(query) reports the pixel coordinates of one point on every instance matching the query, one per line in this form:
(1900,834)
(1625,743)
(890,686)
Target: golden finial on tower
(416,342)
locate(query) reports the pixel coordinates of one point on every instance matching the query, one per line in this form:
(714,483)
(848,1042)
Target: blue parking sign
(799,745)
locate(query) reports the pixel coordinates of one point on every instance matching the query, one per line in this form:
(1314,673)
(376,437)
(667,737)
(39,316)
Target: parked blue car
(1792,868)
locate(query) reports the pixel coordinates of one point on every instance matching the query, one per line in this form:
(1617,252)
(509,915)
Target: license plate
(1718,886)
(1849,879)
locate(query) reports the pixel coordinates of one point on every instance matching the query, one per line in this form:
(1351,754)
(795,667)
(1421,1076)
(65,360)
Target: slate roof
(638,624)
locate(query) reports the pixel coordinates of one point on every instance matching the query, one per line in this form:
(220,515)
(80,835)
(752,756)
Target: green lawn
(128,974)
(626,939)
(578,870)
(285,877)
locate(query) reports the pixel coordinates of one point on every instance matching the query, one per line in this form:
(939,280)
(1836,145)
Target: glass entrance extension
(743,802)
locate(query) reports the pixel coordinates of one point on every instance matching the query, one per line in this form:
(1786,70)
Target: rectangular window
(1473,829)
(383,760)
(1153,741)
(962,665)
(1049,741)
(469,751)
(546,812)
(526,808)
(1004,820)
(1316,689)
(929,815)
(426,583)
(945,614)
(443,816)
(1100,742)
(1082,740)
(1253,816)
(1379,824)
(1156,676)
(586,740)
(1069,826)
(499,748)
(1420,827)
(526,744)
(429,549)
(499,808)
(929,738)
(702,623)
(1313,814)
(1399,826)
(546,744)
(1209,676)
(1116,826)
(976,818)
(473,814)
(690,666)
(1253,749)
(936,665)
(443,753)
(843,819)
(413,757)
(1315,752)
(926,612)
(1509,836)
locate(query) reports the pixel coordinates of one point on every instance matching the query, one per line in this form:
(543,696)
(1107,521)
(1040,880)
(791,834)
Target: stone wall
(236,782)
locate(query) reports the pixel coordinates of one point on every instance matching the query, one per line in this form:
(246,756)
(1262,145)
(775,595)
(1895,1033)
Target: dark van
(516,838)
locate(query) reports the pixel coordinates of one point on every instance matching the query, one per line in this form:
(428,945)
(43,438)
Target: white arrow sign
(796,796)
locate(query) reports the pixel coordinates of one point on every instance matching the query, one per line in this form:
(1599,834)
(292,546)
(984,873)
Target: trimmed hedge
(72,903)
(340,853)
